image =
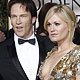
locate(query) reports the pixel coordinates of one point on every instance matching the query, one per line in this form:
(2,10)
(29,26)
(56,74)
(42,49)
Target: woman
(41,17)
(63,61)
(40,30)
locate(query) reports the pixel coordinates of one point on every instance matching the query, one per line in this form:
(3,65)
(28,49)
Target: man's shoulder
(9,33)
(41,38)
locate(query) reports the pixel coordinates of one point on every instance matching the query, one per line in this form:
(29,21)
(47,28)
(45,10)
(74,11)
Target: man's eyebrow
(24,14)
(13,15)
(20,14)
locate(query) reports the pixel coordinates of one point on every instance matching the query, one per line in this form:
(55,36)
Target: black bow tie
(31,41)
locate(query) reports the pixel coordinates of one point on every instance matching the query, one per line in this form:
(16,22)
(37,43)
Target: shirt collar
(16,37)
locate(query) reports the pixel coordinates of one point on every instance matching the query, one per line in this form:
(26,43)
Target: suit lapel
(42,52)
(13,55)
(14,58)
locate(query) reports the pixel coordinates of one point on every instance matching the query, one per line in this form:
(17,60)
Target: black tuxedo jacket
(10,67)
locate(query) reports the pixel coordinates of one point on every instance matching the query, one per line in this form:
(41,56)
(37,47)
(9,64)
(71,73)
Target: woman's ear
(72,23)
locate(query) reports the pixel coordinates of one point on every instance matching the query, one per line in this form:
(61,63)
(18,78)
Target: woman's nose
(53,28)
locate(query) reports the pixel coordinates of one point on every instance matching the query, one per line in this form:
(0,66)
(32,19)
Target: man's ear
(33,20)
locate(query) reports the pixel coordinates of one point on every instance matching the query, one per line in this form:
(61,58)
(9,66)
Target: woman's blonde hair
(66,14)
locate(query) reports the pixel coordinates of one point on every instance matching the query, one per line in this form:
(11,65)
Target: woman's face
(57,28)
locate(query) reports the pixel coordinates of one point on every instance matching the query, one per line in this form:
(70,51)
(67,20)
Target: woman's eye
(48,24)
(57,24)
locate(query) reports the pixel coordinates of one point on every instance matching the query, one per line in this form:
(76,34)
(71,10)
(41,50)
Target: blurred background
(5,21)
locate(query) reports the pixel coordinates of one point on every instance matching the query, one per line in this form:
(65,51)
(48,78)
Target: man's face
(21,21)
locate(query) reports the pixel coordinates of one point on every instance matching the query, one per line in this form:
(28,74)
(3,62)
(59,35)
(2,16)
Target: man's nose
(18,20)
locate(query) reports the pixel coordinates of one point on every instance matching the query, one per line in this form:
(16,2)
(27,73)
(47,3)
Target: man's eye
(13,16)
(23,15)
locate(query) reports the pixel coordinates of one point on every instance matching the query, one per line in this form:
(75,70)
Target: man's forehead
(20,5)
(19,9)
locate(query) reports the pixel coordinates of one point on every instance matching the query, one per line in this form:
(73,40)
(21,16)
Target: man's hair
(29,4)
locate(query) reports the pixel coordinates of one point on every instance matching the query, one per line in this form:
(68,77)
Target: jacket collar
(12,52)
(13,55)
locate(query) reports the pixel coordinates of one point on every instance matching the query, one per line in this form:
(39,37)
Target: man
(20,60)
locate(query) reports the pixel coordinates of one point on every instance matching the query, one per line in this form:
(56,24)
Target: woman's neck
(65,46)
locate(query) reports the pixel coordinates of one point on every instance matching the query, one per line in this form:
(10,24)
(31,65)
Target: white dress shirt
(28,56)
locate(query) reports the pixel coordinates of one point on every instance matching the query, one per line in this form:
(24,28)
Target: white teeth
(18,27)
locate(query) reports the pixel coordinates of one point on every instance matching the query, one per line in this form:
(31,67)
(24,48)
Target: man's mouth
(19,28)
